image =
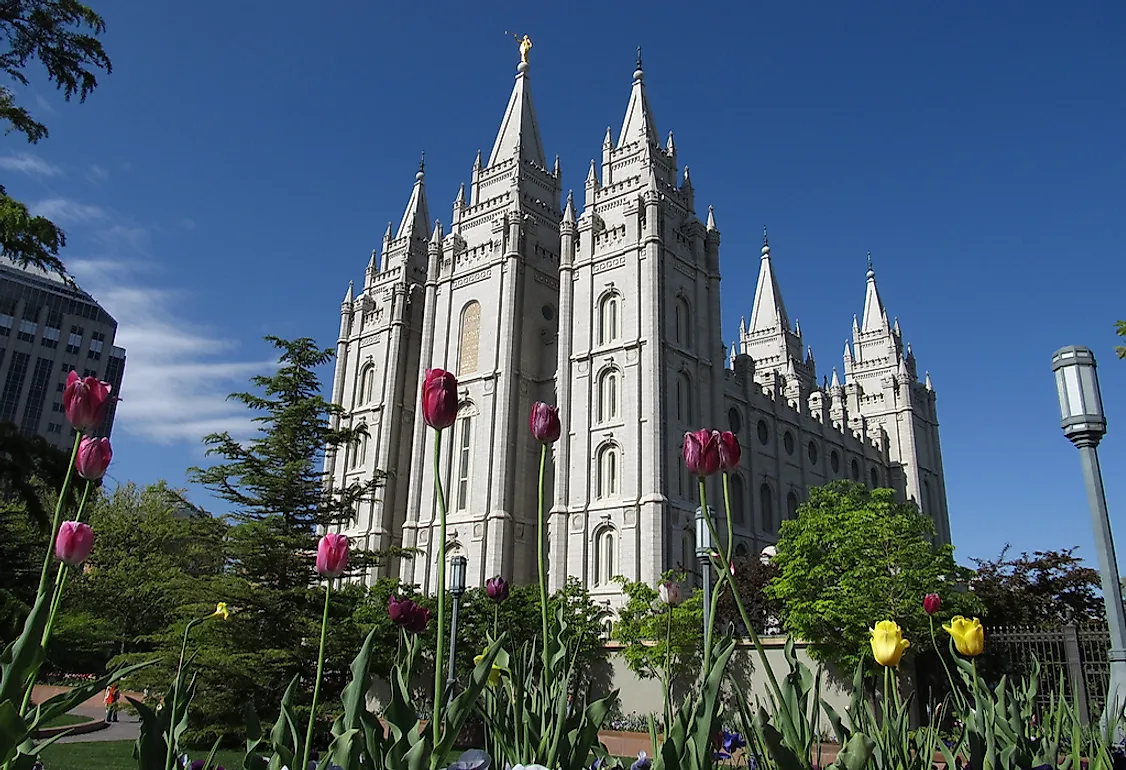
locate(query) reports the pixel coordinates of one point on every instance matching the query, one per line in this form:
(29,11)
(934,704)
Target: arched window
(874,476)
(608,319)
(792,505)
(358,450)
(682,323)
(735,489)
(367,381)
(470,338)
(855,471)
(683,398)
(741,550)
(463,459)
(607,482)
(604,554)
(608,396)
(766,503)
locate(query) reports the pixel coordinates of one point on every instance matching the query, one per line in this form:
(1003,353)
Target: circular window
(788,442)
(855,471)
(835,461)
(548,312)
(763,431)
(734,422)
(812,453)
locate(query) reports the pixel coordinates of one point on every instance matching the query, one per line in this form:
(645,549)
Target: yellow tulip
(494,674)
(969,636)
(888,643)
(221,611)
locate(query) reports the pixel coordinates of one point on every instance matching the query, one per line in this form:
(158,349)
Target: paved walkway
(127,729)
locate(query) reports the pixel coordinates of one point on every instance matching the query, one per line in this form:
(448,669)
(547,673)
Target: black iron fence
(1077,653)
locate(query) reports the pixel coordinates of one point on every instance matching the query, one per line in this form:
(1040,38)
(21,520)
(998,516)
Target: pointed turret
(711,219)
(416,219)
(592,175)
(929,386)
(388,236)
(519,134)
(638,122)
(373,262)
(769,311)
(875,317)
(670,146)
(687,183)
(608,142)
(836,381)
(349,296)
(569,211)
(477,162)
(459,204)
(742,326)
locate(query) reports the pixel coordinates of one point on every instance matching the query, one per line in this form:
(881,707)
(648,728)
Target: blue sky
(238,166)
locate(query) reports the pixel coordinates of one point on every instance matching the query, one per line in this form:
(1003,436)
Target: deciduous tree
(1041,588)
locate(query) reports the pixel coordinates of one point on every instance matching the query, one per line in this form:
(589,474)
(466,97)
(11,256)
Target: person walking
(116,701)
(108,702)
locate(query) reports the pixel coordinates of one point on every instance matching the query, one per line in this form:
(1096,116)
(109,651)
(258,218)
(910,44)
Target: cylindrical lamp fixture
(1081,405)
(457,575)
(703,534)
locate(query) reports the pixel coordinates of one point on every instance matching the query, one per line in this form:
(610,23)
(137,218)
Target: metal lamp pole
(457,590)
(1084,424)
(703,549)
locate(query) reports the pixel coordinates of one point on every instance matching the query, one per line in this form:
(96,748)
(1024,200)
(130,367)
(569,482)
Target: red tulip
(72,545)
(497,589)
(85,400)
(544,423)
(932,603)
(439,399)
(701,452)
(332,555)
(418,619)
(93,458)
(729,451)
(407,615)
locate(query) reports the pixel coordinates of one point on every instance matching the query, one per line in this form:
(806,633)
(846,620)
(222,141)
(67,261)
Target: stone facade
(613,313)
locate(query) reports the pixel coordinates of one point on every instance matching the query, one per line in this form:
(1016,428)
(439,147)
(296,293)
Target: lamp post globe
(458,568)
(1084,425)
(703,551)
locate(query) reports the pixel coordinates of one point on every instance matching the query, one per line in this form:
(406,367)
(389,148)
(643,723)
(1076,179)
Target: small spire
(910,355)
(652,182)
(373,264)
(670,146)
(903,366)
(569,211)
(847,350)
(639,57)
(711,219)
(809,354)
(797,327)
(421,167)
(556,170)
(742,326)
(591,177)
(460,199)
(928,382)
(349,296)
(387,236)
(687,178)
(765,240)
(436,237)
(477,163)
(608,142)
(855,324)
(836,381)
(896,327)
(875,317)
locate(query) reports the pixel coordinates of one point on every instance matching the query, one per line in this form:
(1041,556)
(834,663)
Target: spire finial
(639,57)
(871,272)
(637,73)
(525,44)
(765,240)
(421,167)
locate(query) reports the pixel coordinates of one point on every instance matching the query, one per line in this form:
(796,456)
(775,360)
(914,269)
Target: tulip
(94,455)
(969,636)
(729,451)
(332,555)
(85,400)
(643,762)
(439,399)
(73,543)
(494,672)
(932,603)
(669,593)
(397,609)
(418,619)
(497,589)
(221,611)
(544,423)
(474,759)
(888,643)
(407,615)
(701,452)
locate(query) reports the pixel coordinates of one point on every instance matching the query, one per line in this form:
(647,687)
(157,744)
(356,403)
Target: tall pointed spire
(769,311)
(639,117)
(711,218)
(875,317)
(350,294)
(569,212)
(416,219)
(519,133)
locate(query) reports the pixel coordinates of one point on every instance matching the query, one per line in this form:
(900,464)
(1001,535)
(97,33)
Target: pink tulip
(701,452)
(669,593)
(73,543)
(544,423)
(94,455)
(729,451)
(439,399)
(85,400)
(332,555)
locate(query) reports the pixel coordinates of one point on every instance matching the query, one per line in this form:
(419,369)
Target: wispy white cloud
(118,236)
(42,103)
(177,373)
(96,173)
(30,164)
(65,211)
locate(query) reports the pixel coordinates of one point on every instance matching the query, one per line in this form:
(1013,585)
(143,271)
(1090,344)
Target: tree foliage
(1120,330)
(62,36)
(854,557)
(650,631)
(1042,588)
(753,577)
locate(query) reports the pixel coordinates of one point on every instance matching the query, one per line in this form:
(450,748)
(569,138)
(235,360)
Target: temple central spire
(519,134)
(638,121)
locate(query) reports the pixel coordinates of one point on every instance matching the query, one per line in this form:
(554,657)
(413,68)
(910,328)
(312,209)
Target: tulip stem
(941,657)
(439,682)
(540,558)
(61,576)
(320,674)
(171,737)
(668,667)
(58,514)
(707,565)
(727,510)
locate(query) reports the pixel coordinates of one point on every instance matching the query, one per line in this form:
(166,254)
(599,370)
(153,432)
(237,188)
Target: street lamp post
(1084,424)
(457,590)
(703,549)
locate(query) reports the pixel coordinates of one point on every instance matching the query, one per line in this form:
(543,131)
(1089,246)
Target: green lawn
(66,720)
(113,755)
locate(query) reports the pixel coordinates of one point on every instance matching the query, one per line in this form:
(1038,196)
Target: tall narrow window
(792,505)
(607,485)
(738,512)
(766,503)
(604,556)
(367,380)
(363,448)
(608,319)
(470,338)
(608,396)
(464,452)
(683,398)
(682,323)
(687,550)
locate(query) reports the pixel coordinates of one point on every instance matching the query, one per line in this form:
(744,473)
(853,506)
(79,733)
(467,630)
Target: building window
(683,398)
(26,331)
(604,556)
(835,461)
(788,442)
(766,503)
(812,453)
(7,320)
(792,505)
(608,396)
(36,395)
(927,498)
(97,343)
(682,323)
(607,483)
(54,427)
(735,489)
(608,319)
(734,421)
(470,343)
(763,432)
(367,382)
(10,399)
(855,471)
(464,453)
(74,341)
(688,554)
(874,477)
(50,337)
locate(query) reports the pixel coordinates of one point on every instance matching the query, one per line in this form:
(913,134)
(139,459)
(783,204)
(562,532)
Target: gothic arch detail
(469,338)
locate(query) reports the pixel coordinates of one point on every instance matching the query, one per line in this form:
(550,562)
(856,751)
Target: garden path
(127,729)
